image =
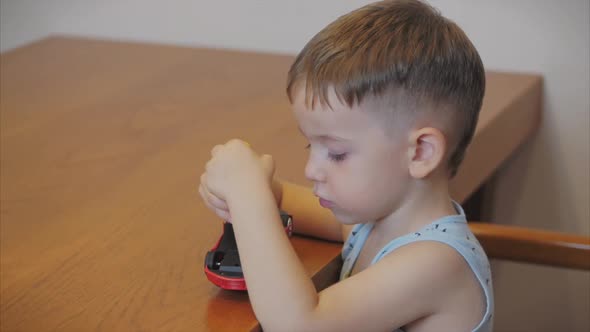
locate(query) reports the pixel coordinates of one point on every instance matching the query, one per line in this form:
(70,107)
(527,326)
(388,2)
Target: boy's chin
(347,219)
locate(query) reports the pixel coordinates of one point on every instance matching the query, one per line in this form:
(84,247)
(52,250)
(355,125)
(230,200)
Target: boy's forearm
(277,190)
(280,290)
(309,217)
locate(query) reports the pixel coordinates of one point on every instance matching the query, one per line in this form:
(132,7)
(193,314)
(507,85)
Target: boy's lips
(326,203)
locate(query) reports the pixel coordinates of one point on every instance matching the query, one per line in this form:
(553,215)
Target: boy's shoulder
(420,281)
(438,272)
(430,266)
(434,272)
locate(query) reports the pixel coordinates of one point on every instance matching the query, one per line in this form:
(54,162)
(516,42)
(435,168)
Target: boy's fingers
(203,195)
(268,163)
(213,200)
(219,212)
(204,184)
(204,198)
(223,215)
(203,179)
(216,201)
(215,150)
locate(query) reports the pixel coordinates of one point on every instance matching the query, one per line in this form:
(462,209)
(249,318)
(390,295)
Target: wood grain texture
(102,144)
(534,245)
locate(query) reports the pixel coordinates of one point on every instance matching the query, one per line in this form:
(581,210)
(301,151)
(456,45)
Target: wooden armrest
(533,246)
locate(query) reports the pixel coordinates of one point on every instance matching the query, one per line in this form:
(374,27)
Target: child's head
(409,71)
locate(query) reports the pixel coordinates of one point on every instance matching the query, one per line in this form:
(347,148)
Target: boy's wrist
(277,190)
(252,197)
(248,189)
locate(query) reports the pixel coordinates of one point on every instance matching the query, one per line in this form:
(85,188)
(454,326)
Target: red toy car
(222,262)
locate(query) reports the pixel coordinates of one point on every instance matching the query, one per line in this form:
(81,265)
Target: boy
(388,97)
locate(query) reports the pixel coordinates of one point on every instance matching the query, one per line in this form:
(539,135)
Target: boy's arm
(396,291)
(309,217)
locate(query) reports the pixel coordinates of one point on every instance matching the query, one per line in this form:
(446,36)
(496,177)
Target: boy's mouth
(326,203)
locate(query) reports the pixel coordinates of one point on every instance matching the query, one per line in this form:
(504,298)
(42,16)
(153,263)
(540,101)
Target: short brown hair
(405,45)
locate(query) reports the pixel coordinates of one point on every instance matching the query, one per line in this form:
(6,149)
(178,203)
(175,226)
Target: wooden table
(101,146)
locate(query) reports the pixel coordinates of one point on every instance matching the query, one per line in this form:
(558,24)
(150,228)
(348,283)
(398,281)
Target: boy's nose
(313,171)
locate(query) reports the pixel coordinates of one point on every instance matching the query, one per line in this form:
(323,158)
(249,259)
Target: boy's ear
(426,152)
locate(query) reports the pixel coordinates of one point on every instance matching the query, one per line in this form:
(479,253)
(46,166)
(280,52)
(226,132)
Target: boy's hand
(232,170)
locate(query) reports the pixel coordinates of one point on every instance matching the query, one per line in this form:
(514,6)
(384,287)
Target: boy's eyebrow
(324,137)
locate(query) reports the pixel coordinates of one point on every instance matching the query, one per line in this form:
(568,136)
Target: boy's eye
(337,157)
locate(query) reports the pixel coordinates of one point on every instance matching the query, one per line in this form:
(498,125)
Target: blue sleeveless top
(450,230)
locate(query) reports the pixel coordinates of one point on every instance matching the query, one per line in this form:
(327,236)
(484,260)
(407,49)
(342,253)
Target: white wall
(547,185)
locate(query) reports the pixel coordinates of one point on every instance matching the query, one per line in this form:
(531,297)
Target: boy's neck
(427,201)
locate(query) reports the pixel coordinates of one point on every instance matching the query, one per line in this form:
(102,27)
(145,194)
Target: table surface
(102,144)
